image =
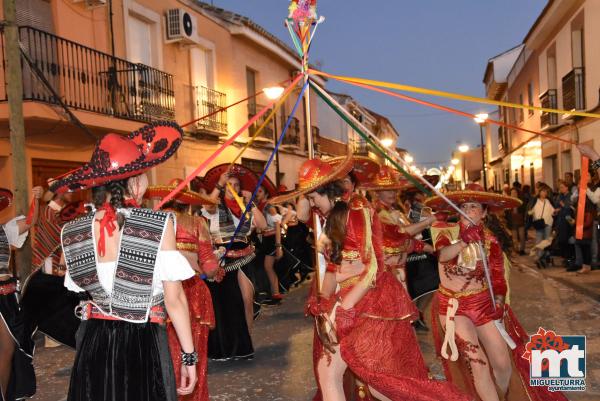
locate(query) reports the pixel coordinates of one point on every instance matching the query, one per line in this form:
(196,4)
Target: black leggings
(586,251)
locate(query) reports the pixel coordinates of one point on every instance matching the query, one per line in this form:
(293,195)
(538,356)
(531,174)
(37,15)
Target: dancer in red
(365,324)
(398,240)
(478,332)
(193,242)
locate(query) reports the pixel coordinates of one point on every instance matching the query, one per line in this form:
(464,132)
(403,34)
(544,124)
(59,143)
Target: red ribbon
(107,223)
(29,218)
(234,207)
(583,181)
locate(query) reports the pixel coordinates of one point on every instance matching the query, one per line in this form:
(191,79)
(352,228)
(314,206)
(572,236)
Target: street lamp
(455,162)
(408,158)
(273,93)
(464,148)
(481,119)
(387,142)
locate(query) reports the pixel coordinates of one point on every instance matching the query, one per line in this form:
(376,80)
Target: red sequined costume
(193,236)
(376,337)
(397,243)
(463,280)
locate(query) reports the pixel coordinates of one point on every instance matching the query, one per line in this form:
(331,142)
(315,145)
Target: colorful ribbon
(451,95)
(224,146)
(264,173)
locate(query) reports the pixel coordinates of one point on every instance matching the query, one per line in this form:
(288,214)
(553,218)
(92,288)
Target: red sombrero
(364,168)
(432,179)
(247,177)
(474,193)
(117,157)
(270,187)
(185,196)
(385,180)
(315,173)
(5,198)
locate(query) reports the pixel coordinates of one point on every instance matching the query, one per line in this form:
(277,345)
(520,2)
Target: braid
(117,198)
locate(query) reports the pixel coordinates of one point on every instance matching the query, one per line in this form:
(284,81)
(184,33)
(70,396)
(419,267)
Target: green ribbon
(295,37)
(366,137)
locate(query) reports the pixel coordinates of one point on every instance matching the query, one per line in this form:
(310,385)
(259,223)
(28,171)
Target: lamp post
(273,93)
(464,149)
(480,119)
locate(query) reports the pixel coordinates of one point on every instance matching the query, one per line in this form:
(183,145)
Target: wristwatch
(596,164)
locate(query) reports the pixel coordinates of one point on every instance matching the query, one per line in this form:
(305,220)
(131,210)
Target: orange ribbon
(583,181)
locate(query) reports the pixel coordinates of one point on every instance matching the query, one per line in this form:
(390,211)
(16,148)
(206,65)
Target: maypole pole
(302,16)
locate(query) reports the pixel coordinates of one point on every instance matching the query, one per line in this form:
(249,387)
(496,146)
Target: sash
(4,253)
(131,297)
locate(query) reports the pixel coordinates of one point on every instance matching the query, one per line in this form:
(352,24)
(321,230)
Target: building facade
(557,66)
(119,65)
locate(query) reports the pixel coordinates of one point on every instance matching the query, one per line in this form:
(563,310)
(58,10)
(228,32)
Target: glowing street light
(455,162)
(481,118)
(463,148)
(408,158)
(273,92)
(387,142)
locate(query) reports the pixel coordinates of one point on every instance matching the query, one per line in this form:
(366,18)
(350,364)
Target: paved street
(282,367)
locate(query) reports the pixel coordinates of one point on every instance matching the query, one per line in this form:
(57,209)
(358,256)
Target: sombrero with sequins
(316,173)
(117,157)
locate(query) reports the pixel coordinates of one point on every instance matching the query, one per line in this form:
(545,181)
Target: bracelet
(190,359)
(596,164)
(278,246)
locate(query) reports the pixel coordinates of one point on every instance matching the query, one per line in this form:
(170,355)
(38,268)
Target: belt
(239,253)
(187,246)
(8,288)
(460,294)
(351,255)
(388,250)
(349,282)
(87,311)
(238,238)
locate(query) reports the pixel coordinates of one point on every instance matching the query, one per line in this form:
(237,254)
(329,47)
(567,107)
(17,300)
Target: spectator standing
(542,222)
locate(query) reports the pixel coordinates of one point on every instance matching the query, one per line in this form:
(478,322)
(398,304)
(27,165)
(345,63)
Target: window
(551,66)
(258,166)
(521,114)
(251,89)
(530,96)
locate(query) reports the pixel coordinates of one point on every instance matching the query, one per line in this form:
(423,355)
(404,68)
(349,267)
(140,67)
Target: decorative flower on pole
(300,10)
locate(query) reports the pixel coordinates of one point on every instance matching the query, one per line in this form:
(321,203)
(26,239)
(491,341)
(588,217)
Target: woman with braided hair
(126,260)
(365,326)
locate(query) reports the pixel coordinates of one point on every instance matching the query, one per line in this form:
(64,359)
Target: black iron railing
(86,79)
(573,87)
(549,100)
(503,145)
(361,147)
(292,136)
(267,132)
(207,102)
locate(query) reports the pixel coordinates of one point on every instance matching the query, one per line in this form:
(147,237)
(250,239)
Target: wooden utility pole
(14,91)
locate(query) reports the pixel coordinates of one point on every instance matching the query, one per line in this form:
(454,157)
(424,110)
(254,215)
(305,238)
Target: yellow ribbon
(263,125)
(369,278)
(237,198)
(451,95)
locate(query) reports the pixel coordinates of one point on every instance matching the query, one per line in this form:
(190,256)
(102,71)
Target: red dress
(397,243)
(376,337)
(192,236)
(464,280)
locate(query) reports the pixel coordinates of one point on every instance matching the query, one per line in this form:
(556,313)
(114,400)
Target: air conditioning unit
(91,3)
(181,26)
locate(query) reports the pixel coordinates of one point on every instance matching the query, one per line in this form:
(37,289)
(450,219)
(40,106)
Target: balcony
(549,100)
(361,147)
(292,136)
(315,138)
(207,102)
(267,132)
(573,88)
(503,144)
(86,79)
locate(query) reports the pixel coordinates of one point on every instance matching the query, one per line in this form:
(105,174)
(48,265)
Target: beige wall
(231,54)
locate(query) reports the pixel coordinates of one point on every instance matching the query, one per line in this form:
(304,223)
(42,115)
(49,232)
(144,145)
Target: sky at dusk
(436,44)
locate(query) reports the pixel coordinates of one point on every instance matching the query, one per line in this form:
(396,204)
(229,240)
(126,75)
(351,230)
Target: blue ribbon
(264,173)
